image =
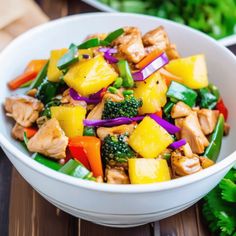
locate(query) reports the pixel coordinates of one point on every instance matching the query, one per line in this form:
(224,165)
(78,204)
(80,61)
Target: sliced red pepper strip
(220,106)
(30,132)
(91,145)
(22,79)
(78,153)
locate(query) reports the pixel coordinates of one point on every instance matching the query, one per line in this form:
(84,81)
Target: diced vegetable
(90,76)
(152,67)
(207,99)
(21,79)
(152,91)
(213,150)
(69,58)
(54,73)
(182,93)
(76,169)
(70,119)
(125,73)
(112,36)
(149,139)
(46,161)
(30,132)
(47,91)
(167,109)
(77,97)
(78,153)
(144,171)
(40,77)
(36,65)
(89,131)
(220,106)
(192,70)
(47,112)
(214,90)
(88,52)
(90,43)
(178,144)
(91,146)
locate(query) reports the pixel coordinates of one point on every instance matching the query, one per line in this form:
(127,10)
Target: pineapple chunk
(70,119)
(144,171)
(149,139)
(90,76)
(152,91)
(192,70)
(54,73)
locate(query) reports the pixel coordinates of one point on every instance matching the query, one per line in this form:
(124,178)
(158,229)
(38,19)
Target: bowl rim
(103,187)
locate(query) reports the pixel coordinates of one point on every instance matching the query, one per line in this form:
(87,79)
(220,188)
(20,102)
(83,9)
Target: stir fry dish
(119,108)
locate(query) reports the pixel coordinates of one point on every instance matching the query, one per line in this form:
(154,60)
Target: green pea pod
(125,73)
(213,150)
(40,77)
(180,92)
(47,162)
(94,42)
(112,36)
(76,169)
(69,58)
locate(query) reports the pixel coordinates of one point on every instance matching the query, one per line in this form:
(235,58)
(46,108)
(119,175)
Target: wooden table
(23,212)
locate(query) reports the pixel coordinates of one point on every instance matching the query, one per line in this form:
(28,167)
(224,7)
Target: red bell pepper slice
(220,106)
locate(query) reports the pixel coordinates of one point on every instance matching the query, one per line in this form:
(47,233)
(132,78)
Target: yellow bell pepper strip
(179,92)
(91,145)
(191,69)
(152,91)
(40,77)
(76,169)
(36,65)
(22,79)
(213,150)
(70,119)
(125,73)
(149,139)
(53,72)
(69,58)
(145,171)
(47,162)
(90,76)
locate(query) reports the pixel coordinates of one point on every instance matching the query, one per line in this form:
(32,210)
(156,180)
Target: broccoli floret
(127,108)
(115,148)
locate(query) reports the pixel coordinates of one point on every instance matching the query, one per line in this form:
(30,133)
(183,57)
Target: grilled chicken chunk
(192,132)
(17,132)
(102,132)
(130,44)
(208,119)
(116,176)
(180,109)
(156,39)
(23,109)
(50,140)
(171,52)
(206,162)
(182,165)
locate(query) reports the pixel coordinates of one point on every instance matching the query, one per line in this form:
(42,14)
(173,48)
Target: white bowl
(117,205)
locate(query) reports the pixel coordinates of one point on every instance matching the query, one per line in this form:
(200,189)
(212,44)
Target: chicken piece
(32,92)
(68,100)
(130,44)
(208,119)
(191,131)
(116,176)
(171,52)
(50,140)
(41,120)
(226,129)
(156,39)
(102,132)
(180,109)
(206,162)
(182,165)
(96,112)
(23,109)
(17,132)
(187,150)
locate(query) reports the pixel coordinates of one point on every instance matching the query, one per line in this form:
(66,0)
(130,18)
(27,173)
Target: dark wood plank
(78,6)
(90,229)
(5,183)
(30,214)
